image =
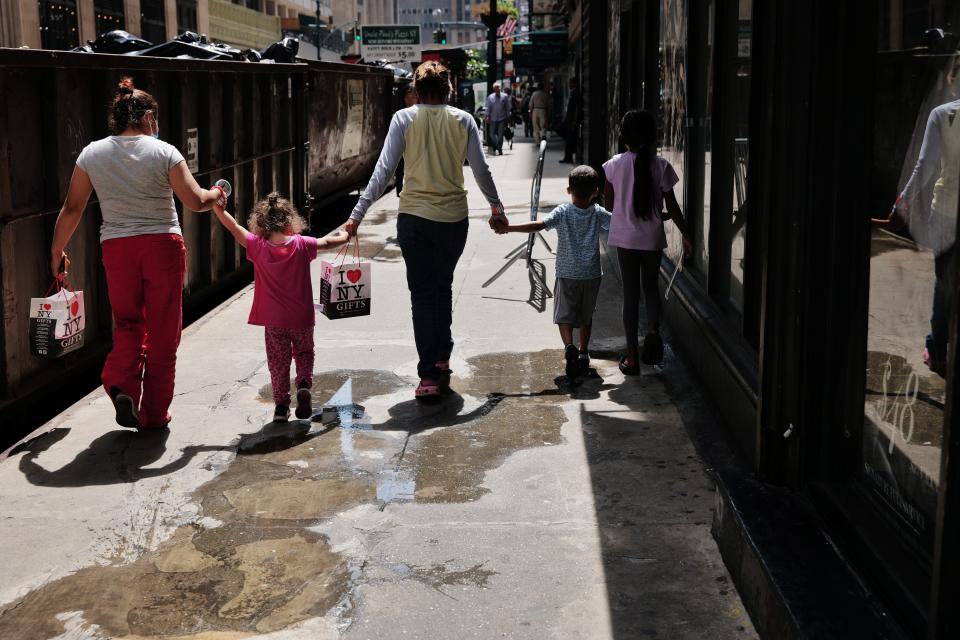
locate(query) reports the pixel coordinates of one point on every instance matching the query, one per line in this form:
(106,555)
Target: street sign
(393,42)
(545,49)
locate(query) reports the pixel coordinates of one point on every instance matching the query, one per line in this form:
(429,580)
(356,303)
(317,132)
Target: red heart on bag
(353,275)
(47,306)
(74,308)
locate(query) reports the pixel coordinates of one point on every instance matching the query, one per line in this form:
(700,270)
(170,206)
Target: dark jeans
(431,251)
(640,271)
(939,320)
(496,134)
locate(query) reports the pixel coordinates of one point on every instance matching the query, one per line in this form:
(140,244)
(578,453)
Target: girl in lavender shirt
(638,183)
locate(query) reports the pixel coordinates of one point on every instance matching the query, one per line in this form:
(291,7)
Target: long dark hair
(638,131)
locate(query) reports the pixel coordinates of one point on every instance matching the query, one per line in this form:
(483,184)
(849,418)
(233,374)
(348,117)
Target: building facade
(823,328)
(64,24)
(449,15)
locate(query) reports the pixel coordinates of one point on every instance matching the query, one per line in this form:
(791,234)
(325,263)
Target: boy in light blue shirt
(578,225)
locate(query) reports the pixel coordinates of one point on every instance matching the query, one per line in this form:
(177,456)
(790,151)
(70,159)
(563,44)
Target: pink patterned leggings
(282,344)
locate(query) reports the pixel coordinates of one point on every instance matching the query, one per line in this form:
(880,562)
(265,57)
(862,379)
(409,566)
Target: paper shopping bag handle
(345,248)
(60,282)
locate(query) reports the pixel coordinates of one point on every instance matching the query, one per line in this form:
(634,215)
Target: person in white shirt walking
(539,105)
(498,107)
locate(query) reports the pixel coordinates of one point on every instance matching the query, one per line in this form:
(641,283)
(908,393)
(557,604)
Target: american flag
(507,28)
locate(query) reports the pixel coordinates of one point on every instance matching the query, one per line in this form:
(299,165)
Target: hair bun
(125,86)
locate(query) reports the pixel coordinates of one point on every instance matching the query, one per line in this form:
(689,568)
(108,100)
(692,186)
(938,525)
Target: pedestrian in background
(525,111)
(539,113)
(135,175)
(571,122)
(409,99)
(638,183)
(432,224)
(498,107)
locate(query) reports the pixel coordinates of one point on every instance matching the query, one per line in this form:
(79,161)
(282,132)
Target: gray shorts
(574,301)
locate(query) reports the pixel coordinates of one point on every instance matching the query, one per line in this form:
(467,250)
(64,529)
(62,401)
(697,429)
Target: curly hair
(129,106)
(432,80)
(275,214)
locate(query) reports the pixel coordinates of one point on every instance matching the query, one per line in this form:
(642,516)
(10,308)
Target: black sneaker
(571,354)
(304,402)
(126,410)
(652,349)
(584,363)
(281,413)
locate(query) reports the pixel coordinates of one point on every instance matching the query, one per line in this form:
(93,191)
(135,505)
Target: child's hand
(497,216)
(501,226)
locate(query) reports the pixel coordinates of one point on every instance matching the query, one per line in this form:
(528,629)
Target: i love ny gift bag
(57,321)
(345,287)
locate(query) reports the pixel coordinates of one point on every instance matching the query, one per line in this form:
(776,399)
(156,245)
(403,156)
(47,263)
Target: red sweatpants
(145,286)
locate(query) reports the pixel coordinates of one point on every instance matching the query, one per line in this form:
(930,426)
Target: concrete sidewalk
(521,507)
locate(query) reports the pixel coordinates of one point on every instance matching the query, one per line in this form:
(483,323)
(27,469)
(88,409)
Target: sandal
(628,369)
(445,373)
(427,390)
(652,349)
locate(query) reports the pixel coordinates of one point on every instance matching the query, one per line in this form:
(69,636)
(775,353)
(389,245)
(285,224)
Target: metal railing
(525,251)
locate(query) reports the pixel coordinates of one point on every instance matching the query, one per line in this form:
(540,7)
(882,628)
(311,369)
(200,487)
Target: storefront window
(738,230)
(58,24)
(187,15)
(673,103)
(109,15)
(912,284)
(153,23)
(687,60)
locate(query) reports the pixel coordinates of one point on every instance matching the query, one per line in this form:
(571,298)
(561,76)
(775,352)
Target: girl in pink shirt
(282,293)
(639,183)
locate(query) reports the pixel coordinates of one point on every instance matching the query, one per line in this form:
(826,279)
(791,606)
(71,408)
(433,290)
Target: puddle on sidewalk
(253,563)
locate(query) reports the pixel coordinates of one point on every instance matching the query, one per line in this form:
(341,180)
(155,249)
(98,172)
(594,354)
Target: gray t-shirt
(578,239)
(131,175)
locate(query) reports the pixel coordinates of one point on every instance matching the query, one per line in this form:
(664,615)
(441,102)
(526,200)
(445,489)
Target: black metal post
(492,46)
(317,34)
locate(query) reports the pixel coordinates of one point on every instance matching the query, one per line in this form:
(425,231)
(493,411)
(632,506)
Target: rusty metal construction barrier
(310,130)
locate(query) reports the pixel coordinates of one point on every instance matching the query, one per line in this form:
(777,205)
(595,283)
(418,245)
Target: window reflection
(738,230)
(673,105)
(912,281)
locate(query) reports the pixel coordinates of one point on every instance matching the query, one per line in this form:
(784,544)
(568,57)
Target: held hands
(351,227)
(337,238)
(687,247)
(498,219)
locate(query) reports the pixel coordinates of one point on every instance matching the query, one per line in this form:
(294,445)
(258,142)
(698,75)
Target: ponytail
(638,132)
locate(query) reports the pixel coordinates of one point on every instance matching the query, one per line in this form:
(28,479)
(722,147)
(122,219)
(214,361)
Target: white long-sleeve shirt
(934,224)
(433,140)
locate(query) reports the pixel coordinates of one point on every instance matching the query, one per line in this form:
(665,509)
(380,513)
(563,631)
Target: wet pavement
(522,506)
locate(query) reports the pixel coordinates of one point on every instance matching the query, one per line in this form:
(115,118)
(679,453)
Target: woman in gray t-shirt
(135,175)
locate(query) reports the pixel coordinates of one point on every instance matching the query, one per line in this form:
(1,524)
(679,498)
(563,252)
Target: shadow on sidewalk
(116,457)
